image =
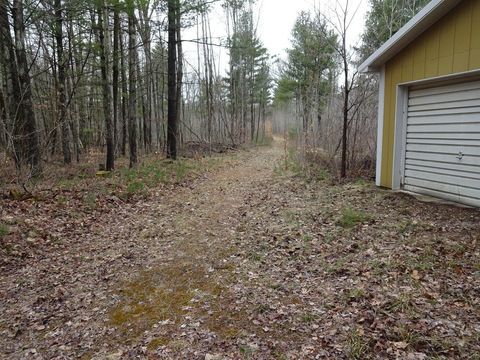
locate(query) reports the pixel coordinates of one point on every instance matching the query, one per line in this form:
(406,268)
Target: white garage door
(443,142)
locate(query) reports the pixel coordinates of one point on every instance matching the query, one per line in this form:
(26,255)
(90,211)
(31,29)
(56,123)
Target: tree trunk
(141,78)
(172,127)
(11,86)
(148,76)
(61,95)
(162,92)
(343,172)
(115,73)
(25,106)
(107,108)
(132,94)
(75,67)
(179,100)
(4,119)
(124,99)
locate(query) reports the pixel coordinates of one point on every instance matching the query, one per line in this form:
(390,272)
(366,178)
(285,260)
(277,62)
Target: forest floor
(244,261)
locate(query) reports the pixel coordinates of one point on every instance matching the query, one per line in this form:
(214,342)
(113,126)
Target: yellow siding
(419,60)
(474,62)
(449,46)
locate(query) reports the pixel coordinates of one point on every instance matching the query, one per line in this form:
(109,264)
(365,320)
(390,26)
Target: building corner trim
(380,120)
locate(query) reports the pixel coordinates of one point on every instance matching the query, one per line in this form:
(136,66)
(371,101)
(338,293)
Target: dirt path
(251,262)
(61,304)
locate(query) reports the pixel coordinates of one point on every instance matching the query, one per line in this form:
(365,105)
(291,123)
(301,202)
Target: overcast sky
(275,22)
(277,18)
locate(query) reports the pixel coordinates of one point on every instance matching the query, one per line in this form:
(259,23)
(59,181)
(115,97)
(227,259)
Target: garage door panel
(452,197)
(443,167)
(467,182)
(445,128)
(463,110)
(445,119)
(446,149)
(444,188)
(442,150)
(464,142)
(414,155)
(437,100)
(445,136)
(454,104)
(447,89)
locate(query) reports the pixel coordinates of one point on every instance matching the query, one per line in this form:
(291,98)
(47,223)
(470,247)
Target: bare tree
(172,128)
(104,66)
(341,24)
(62,98)
(27,122)
(116,71)
(132,88)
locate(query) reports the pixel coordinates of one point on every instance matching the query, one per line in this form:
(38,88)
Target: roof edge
(430,14)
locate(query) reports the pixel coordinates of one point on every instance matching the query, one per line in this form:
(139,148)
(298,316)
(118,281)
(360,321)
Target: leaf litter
(241,262)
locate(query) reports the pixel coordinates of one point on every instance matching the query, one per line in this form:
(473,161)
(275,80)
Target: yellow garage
(429,103)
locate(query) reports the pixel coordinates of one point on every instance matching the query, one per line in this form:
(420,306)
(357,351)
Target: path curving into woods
(250,261)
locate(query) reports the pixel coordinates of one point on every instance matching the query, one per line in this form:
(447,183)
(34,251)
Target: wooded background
(111,76)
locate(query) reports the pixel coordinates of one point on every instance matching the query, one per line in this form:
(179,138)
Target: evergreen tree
(308,72)
(249,80)
(384,19)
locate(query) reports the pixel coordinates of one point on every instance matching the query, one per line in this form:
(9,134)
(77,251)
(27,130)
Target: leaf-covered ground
(247,261)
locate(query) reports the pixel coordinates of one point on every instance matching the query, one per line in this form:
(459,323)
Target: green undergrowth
(350,218)
(151,174)
(357,346)
(4,230)
(128,183)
